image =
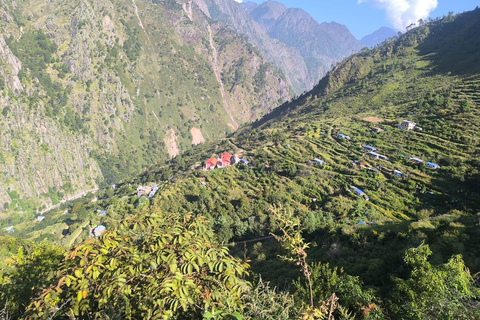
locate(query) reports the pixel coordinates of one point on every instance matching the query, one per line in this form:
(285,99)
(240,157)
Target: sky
(363,17)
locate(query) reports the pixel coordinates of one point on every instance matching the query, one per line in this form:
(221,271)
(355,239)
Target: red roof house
(211,163)
(225,157)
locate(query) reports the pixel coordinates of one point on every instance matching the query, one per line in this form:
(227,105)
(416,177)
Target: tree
(155,266)
(446,291)
(28,273)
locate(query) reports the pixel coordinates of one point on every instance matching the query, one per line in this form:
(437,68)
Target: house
(373,155)
(102,212)
(10,229)
(211,164)
(98,230)
(382,157)
(40,218)
(377,130)
(235,159)
(369,148)
(432,166)
(359,193)
(416,160)
(407,125)
(398,173)
(318,161)
(342,136)
(226,159)
(243,161)
(143,191)
(153,192)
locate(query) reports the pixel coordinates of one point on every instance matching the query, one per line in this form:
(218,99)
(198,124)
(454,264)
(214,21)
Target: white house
(407,125)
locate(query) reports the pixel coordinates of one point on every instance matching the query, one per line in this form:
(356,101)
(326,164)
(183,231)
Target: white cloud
(402,13)
(239,1)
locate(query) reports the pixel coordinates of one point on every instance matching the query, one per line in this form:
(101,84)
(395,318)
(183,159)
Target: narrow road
(219,78)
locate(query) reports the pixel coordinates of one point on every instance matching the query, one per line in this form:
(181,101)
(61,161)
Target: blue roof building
(98,230)
(432,166)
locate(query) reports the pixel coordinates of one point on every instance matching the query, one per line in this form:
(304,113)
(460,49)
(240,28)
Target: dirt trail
(219,79)
(140,21)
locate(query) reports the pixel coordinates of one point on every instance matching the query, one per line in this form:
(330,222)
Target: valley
(358,199)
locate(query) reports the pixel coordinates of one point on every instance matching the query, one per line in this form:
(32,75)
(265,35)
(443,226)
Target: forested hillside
(343,211)
(95,91)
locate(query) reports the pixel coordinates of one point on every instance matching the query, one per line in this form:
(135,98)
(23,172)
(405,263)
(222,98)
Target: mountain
(281,56)
(381,234)
(94,91)
(288,38)
(378,36)
(320,45)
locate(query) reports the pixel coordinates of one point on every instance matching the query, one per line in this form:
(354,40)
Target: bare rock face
(10,66)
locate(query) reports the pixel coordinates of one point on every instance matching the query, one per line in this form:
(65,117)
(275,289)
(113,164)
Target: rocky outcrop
(10,66)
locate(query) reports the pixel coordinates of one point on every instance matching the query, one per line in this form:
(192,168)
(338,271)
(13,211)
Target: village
(225,160)
(371,153)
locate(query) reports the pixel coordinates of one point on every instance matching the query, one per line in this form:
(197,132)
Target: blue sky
(365,16)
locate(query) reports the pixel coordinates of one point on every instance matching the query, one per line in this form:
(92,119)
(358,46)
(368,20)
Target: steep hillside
(384,229)
(320,45)
(288,38)
(93,91)
(279,54)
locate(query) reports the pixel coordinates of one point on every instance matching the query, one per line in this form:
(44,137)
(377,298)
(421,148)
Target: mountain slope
(320,45)
(280,55)
(378,36)
(414,209)
(93,91)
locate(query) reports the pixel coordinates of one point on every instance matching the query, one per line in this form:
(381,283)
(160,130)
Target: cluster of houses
(147,191)
(225,160)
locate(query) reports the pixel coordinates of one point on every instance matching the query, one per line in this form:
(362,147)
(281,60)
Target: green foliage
(349,290)
(447,291)
(265,303)
(155,266)
(27,275)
